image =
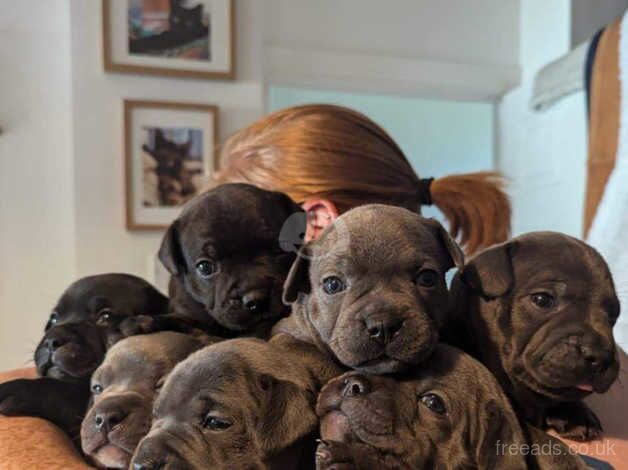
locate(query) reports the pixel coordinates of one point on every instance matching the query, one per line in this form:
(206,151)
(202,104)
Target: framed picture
(181,38)
(170,155)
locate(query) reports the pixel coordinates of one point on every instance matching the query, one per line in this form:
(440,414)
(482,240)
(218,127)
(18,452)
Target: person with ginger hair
(330,159)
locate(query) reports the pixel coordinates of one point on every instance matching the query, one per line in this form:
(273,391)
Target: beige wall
(37,236)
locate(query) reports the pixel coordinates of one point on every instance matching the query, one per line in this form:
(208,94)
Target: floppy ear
(290,220)
(490,272)
(497,433)
(289,414)
(170,253)
(454,250)
(298,279)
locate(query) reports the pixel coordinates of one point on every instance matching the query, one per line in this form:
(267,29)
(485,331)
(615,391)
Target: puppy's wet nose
(148,465)
(356,385)
(255,302)
(383,330)
(53,344)
(107,420)
(598,358)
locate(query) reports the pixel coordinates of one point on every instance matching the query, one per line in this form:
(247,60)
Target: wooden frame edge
(128,106)
(111,66)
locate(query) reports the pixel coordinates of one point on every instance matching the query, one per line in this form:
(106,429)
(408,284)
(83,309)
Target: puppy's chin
(110,456)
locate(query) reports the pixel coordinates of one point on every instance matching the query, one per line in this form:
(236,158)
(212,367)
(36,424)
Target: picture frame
(176,38)
(169,157)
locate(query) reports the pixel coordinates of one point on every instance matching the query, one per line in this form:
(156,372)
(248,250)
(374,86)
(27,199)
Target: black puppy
(88,319)
(229,253)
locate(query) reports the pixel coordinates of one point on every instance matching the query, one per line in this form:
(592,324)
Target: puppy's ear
(288,415)
(298,279)
(456,255)
(170,253)
(490,272)
(289,219)
(497,432)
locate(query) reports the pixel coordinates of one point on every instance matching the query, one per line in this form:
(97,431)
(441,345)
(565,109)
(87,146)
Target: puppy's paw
(333,455)
(137,325)
(16,399)
(574,421)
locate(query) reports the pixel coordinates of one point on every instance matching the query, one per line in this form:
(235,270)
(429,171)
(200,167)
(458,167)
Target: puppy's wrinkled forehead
(380,236)
(232,217)
(226,371)
(555,257)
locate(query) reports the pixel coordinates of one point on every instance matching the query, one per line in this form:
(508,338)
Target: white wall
(454,49)
(544,153)
(37,236)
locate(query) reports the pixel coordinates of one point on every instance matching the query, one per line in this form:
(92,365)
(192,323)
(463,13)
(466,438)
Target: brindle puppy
(238,404)
(123,390)
(86,321)
(449,414)
(371,292)
(538,311)
(229,253)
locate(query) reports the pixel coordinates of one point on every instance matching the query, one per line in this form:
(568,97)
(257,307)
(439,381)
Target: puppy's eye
(434,403)
(96,389)
(215,424)
(54,318)
(543,300)
(105,316)
(332,285)
(427,278)
(205,268)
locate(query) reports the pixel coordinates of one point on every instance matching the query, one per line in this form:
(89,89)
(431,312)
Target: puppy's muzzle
(383,328)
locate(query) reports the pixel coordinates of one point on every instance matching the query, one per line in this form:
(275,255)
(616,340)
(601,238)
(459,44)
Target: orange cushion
(34,442)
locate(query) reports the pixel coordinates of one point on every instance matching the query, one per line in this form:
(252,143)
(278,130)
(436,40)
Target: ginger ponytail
(336,153)
(476,206)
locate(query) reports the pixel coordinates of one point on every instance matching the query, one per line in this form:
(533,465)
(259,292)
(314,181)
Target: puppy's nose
(356,385)
(599,359)
(255,302)
(383,330)
(148,465)
(53,343)
(107,420)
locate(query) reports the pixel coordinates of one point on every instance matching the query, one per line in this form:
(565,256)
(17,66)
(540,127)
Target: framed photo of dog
(181,38)
(169,157)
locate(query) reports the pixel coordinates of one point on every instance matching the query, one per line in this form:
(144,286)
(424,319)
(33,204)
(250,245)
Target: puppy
(538,311)
(448,414)
(229,253)
(85,322)
(123,389)
(371,292)
(238,404)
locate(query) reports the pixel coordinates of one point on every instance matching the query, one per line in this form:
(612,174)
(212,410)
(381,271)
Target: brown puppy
(123,389)
(229,253)
(371,292)
(238,404)
(449,414)
(538,311)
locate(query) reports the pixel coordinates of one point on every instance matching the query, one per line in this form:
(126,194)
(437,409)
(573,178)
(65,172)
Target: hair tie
(423,191)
